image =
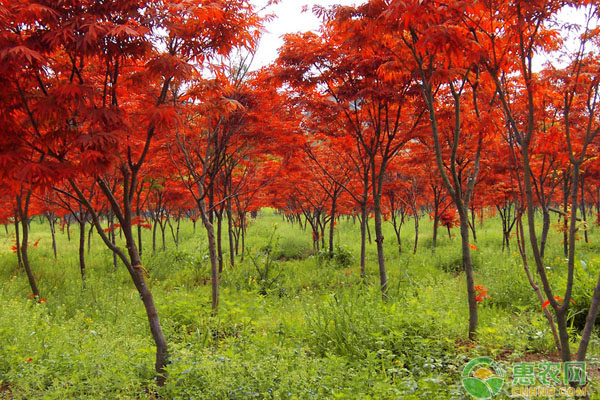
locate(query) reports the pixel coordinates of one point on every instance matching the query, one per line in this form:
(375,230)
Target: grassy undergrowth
(308,328)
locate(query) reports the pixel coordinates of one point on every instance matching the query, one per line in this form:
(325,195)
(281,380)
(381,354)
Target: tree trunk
(468,266)
(332,223)
(163,226)
(137,274)
(363,238)
(436,223)
(214,265)
(82,246)
(24,216)
(113,239)
(472,224)
(18,243)
(243,233)
(52,223)
(564,217)
(379,240)
(219,239)
(134,267)
(583,213)
(177,231)
(154,236)
(368,229)
(416,216)
(138,214)
(230,233)
(545,230)
(89,242)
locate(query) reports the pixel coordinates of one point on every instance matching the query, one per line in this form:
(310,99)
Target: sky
(289,18)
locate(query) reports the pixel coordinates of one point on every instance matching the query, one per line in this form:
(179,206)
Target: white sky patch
(289,18)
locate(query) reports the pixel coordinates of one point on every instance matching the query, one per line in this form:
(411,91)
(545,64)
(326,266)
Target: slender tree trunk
(363,238)
(416,216)
(560,316)
(322,225)
(219,239)
(89,241)
(398,229)
(82,246)
(243,233)
(177,231)
(436,223)
(332,222)
(380,255)
(137,274)
(230,235)
(214,265)
(173,235)
(52,223)
(468,266)
(68,221)
(113,238)
(163,226)
(383,280)
(18,242)
(583,213)
(132,262)
(23,206)
(564,217)
(154,236)
(368,229)
(532,282)
(472,224)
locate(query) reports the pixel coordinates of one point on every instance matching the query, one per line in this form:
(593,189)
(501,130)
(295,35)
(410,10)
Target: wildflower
(481,294)
(36,243)
(29,360)
(42,300)
(557,298)
(473,247)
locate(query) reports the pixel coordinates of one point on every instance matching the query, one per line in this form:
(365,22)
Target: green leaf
(477,388)
(495,384)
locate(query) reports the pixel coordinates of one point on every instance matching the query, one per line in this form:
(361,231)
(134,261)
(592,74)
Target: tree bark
(332,222)
(23,207)
(52,223)
(82,219)
(363,238)
(468,266)
(219,239)
(18,242)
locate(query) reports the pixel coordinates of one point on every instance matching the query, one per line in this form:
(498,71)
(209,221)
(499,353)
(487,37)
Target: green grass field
(311,330)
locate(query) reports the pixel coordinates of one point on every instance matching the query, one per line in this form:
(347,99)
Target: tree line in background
(119,116)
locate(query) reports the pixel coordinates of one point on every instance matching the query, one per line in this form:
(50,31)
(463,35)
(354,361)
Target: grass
(315,331)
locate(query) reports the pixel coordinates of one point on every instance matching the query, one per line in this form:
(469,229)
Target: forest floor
(312,329)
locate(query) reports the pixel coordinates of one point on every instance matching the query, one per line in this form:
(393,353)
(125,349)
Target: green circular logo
(483,378)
